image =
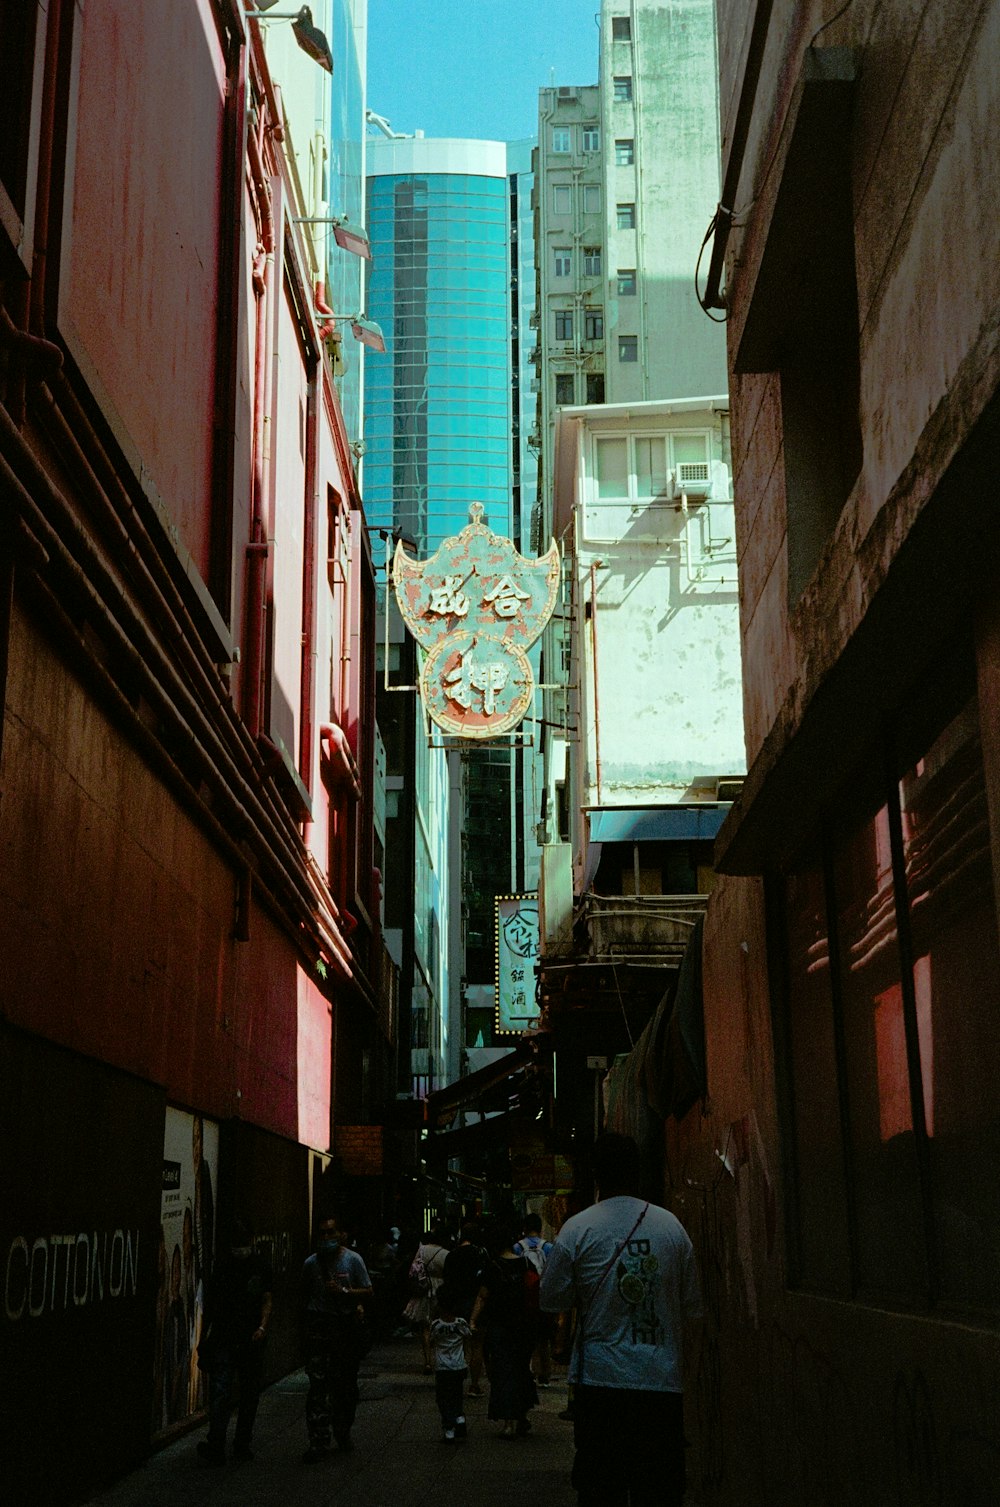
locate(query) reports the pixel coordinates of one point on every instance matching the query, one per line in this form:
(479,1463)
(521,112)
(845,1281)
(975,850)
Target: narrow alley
(399,1458)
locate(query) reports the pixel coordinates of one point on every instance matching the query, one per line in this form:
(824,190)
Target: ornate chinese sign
(474,607)
(516,951)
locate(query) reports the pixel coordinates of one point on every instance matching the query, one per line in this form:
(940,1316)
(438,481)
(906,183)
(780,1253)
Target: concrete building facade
(837,1170)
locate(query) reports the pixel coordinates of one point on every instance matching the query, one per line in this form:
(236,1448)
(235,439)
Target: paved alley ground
(399,1458)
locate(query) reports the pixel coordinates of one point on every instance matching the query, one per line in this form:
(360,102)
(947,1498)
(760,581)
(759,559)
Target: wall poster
(188,1202)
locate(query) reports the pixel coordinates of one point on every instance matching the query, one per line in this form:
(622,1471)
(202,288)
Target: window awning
(657,823)
(444,1103)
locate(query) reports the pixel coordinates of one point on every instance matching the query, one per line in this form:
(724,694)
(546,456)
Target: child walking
(449,1333)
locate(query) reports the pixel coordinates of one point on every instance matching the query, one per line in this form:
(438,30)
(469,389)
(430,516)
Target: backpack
(419,1278)
(535,1255)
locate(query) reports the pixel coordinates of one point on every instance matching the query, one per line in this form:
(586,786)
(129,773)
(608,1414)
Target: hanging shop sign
(516,952)
(474,607)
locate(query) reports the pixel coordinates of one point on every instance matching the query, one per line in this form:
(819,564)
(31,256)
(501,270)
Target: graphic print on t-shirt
(638,1281)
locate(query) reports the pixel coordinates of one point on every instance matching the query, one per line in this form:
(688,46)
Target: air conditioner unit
(566,93)
(691,480)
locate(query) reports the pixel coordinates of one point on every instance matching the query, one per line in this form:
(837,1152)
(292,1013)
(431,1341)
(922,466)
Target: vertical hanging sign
(516,952)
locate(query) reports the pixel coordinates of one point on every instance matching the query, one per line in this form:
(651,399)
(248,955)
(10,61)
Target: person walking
(449,1336)
(535,1251)
(464,1269)
(504,1311)
(427,1274)
(628,1266)
(335,1287)
(234,1327)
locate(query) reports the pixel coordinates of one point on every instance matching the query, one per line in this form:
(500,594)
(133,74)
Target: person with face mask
(236,1315)
(335,1288)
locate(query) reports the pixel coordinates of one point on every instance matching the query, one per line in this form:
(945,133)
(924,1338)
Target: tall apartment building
(660,153)
(627,180)
(448,422)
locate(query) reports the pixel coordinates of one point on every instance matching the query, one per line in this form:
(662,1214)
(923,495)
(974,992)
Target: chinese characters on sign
(474,607)
(516,952)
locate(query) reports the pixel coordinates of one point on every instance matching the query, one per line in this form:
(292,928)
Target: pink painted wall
(139,289)
(117,918)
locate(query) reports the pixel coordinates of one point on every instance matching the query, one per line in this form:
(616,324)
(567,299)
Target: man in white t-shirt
(628,1268)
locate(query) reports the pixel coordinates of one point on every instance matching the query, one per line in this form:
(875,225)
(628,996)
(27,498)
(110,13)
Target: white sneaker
(449,1436)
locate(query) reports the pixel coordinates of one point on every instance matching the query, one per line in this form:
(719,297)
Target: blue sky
(474,67)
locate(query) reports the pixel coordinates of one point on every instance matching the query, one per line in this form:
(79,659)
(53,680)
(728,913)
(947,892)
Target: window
(564,387)
(595,387)
(612,466)
(591,138)
(623,89)
(626,282)
(564,324)
(626,216)
(563,261)
(892,952)
(643,467)
(593,324)
(624,151)
(561,139)
(591,198)
(621,28)
(591,261)
(562,199)
(628,347)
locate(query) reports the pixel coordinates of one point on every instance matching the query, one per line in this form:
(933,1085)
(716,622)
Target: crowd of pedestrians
(487,1305)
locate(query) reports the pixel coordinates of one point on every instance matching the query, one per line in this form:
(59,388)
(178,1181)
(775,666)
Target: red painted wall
(139,282)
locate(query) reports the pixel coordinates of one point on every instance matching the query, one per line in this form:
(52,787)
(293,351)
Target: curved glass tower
(438,406)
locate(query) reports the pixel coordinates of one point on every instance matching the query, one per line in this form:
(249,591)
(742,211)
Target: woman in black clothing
(503,1311)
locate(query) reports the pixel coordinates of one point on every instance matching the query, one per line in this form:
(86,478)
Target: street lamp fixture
(364,330)
(352,238)
(309,37)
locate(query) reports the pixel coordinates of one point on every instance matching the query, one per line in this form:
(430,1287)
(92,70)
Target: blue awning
(657,824)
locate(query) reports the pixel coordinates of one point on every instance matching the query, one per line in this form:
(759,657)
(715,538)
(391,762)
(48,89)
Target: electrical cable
(737,216)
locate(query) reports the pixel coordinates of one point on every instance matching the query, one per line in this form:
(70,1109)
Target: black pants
(232,1364)
(448,1389)
(629,1447)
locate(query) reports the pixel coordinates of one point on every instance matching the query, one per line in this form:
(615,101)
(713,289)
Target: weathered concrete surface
(399,1459)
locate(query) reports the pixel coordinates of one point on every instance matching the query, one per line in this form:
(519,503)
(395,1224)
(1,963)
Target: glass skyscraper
(438,405)
(447,424)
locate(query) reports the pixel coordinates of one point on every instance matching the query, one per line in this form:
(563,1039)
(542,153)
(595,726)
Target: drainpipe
(306,673)
(338,751)
(258,548)
(43,178)
(597,703)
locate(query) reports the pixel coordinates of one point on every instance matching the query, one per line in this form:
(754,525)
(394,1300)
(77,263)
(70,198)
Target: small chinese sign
(516,951)
(474,607)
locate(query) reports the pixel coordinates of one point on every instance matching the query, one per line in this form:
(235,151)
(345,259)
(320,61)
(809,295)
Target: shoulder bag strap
(603,1278)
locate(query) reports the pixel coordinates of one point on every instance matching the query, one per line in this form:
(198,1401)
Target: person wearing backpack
(535,1251)
(426,1275)
(503,1311)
